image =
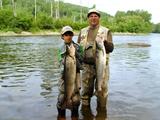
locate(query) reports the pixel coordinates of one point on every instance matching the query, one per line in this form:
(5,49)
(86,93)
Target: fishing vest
(102,33)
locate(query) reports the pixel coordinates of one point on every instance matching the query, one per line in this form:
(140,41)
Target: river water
(29,73)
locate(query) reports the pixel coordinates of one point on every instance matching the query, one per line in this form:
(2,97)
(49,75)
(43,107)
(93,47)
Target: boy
(69,95)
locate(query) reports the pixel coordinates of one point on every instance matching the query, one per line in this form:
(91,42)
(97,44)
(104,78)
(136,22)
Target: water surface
(29,73)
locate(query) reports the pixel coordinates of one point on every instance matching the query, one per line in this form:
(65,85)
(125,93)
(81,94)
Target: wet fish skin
(69,74)
(100,63)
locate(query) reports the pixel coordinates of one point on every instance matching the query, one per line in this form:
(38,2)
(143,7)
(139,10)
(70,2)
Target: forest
(37,15)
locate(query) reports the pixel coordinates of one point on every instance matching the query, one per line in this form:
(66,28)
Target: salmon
(69,74)
(100,64)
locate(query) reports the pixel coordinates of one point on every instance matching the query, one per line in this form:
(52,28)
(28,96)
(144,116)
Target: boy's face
(67,37)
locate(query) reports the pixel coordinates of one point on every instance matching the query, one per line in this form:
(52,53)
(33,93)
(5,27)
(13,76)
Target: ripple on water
(134,82)
(12,85)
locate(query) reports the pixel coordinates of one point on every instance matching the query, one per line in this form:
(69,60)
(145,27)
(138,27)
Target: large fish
(100,63)
(69,74)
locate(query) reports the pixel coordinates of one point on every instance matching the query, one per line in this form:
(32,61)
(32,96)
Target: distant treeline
(35,15)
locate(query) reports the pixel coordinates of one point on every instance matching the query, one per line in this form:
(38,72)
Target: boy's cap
(93,11)
(66,29)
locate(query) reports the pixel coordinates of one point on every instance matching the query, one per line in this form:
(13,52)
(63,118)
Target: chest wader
(61,97)
(89,74)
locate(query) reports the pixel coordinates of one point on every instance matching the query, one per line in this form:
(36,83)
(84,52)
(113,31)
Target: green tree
(6,18)
(14,7)
(44,22)
(133,21)
(44,12)
(144,14)
(156,28)
(1,4)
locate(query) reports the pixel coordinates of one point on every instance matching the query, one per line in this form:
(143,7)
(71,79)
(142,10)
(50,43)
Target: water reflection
(101,114)
(87,113)
(29,73)
(28,68)
(19,59)
(133,75)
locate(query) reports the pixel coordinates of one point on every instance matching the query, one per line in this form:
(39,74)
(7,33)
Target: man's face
(93,19)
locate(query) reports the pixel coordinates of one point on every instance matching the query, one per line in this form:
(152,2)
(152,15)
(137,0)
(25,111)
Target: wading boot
(87,112)
(74,113)
(61,114)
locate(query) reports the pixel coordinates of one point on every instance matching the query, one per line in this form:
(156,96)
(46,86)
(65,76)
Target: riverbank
(24,33)
(41,33)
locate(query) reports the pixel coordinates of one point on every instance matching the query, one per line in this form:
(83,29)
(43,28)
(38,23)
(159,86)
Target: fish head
(70,50)
(99,42)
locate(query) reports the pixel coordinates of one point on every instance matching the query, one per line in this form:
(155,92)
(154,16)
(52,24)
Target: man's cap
(66,29)
(93,11)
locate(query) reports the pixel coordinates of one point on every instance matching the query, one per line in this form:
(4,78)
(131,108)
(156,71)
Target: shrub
(44,22)
(6,18)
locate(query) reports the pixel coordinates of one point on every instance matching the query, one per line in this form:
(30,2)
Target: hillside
(36,15)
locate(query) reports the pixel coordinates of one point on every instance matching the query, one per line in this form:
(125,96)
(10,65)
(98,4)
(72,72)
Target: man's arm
(108,43)
(78,56)
(79,38)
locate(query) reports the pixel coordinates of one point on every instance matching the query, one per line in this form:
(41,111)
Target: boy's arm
(59,56)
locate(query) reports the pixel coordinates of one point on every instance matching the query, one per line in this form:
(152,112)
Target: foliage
(6,19)
(156,28)
(131,21)
(44,22)
(23,21)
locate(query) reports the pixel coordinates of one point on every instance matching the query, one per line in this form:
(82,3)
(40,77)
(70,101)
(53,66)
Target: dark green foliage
(20,23)
(133,21)
(44,22)
(6,19)
(16,30)
(137,21)
(78,25)
(156,28)
(59,23)
(23,22)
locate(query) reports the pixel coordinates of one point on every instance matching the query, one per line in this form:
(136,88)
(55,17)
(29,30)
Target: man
(87,39)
